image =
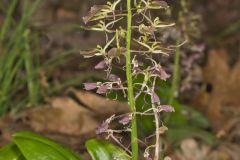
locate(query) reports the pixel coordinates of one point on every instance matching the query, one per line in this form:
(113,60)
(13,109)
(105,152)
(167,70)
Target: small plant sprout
(132,32)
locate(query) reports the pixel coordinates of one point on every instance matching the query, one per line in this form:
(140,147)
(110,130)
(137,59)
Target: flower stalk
(131,101)
(156,117)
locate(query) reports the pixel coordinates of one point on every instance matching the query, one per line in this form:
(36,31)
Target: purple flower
(113,78)
(101,65)
(125,119)
(90,86)
(163,74)
(165,108)
(103,128)
(155,97)
(102,89)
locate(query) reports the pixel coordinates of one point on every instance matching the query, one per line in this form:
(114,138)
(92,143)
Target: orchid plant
(132,33)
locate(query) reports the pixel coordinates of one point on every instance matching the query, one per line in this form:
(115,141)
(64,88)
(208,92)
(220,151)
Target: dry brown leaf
(226,151)
(101,105)
(64,115)
(221,101)
(190,149)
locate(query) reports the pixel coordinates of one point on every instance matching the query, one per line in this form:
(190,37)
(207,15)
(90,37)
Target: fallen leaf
(100,105)
(225,151)
(190,149)
(220,99)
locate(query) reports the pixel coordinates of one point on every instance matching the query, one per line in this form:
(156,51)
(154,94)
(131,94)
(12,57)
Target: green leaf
(10,152)
(36,147)
(186,116)
(197,119)
(176,134)
(101,150)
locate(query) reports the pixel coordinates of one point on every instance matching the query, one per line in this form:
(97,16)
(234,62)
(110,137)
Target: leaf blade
(100,150)
(11,152)
(33,145)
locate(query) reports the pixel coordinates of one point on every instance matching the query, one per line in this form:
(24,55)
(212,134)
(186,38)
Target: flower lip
(90,86)
(103,128)
(102,89)
(165,108)
(155,97)
(161,73)
(113,78)
(125,119)
(101,65)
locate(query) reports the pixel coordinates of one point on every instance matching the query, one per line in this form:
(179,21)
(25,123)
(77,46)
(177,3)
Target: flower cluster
(146,44)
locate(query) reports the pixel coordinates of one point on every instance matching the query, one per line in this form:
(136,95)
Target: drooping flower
(125,120)
(165,108)
(113,78)
(102,128)
(163,74)
(90,86)
(160,72)
(102,89)
(101,65)
(155,97)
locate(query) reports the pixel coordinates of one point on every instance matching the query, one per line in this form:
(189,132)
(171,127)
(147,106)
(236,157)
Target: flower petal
(103,128)
(163,74)
(102,89)
(155,97)
(125,120)
(90,86)
(113,78)
(165,108)
(101,65)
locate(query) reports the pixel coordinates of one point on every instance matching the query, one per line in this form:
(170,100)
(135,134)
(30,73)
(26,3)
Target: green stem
(31,77)
(134,139)
(175,79)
